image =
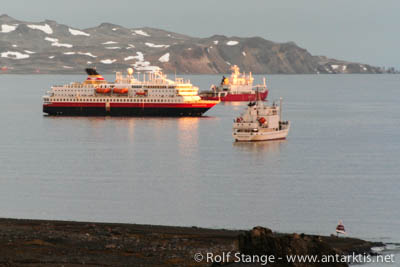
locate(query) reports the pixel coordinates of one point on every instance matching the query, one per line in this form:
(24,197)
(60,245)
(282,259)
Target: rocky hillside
(49,47)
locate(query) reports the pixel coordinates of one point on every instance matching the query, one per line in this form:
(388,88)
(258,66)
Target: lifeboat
(261,120)
(103,90)
(141,93)
(120,90)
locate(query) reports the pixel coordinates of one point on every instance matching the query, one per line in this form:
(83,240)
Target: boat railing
(259,87)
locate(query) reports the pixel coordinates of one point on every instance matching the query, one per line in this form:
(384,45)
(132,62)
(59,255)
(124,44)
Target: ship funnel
(91,71)
(94,77)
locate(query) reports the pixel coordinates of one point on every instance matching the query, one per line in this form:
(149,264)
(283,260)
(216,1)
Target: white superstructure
(155,87)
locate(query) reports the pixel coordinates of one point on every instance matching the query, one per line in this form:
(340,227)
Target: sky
(364,31)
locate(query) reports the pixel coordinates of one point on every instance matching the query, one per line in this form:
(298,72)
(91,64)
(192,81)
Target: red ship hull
(236,97)
(128,109)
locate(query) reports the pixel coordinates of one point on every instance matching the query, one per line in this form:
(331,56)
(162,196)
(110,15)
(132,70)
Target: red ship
(238,87)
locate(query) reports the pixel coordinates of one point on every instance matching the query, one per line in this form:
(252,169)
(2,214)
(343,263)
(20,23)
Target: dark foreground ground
(62,243)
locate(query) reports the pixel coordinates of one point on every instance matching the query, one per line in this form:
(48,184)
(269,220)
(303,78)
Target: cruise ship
(154,95)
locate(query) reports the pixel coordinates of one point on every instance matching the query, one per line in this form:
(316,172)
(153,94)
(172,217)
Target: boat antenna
(280,109)
(257,100)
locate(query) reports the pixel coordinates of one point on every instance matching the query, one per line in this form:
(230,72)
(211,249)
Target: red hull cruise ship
(127,96)
(238,87)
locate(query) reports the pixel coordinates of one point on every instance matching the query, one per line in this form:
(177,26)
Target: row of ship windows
(137,87)
(115,100)
(160,87)
(74,95)
(72,90)
(91,90)
(133,86)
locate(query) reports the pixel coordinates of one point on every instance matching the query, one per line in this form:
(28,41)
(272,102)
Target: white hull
(260,136)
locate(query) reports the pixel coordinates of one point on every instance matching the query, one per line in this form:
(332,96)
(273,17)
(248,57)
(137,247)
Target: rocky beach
(65,243)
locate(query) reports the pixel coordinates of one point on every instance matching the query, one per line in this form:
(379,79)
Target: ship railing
(259,86)
(244,130)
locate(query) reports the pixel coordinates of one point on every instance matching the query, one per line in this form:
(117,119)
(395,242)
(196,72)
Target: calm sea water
(341,161)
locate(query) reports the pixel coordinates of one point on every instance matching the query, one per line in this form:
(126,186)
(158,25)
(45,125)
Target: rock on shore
(61,243)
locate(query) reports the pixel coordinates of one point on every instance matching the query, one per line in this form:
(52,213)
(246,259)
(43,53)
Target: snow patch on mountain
(140,64)
(86,54)
(232,43)
(44,28)
(139,56)
(78,32)
(62,45)
(14,55)
(108,61)
(55,42)
(156,46)
(143,33)
(164,58)
(110,42)
(51,39)
(5,28)
(145,66)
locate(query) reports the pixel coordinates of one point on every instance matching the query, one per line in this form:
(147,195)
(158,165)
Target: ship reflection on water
(184,132)
(261,147)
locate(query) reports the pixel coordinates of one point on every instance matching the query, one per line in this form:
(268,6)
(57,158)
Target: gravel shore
(65,243)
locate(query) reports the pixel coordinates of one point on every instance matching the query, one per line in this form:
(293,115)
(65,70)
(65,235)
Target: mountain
(49,47)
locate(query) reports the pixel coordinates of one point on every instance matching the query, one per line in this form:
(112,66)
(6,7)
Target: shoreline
(25,242)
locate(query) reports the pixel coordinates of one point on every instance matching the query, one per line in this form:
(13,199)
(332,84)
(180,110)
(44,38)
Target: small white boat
(260,122)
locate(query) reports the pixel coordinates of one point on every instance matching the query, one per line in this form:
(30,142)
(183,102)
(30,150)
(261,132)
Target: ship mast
(257,100)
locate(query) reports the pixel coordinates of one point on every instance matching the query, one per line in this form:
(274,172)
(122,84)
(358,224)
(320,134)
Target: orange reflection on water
(237,103)
(131,128)
(188,135)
